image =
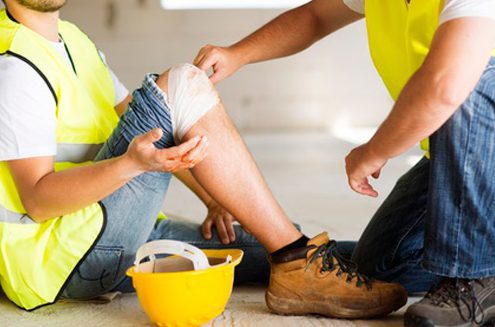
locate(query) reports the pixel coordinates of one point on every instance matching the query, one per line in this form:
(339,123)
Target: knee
(190,95)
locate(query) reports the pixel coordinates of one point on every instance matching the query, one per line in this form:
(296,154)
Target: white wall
(331,83)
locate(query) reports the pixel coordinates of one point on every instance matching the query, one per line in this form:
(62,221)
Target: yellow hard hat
(187,289)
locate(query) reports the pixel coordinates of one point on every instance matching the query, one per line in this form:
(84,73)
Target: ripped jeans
(131,211)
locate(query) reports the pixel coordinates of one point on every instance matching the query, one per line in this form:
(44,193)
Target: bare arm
(46,194)
(122,106)
(458,55)
(289,33)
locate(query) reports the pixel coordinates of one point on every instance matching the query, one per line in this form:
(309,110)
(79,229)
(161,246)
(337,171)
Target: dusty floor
(306,173)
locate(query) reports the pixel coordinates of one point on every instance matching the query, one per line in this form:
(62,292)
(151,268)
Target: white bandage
(190,96)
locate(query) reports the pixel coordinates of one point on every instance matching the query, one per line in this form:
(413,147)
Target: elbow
(451,96)
(450,91)
(36,212)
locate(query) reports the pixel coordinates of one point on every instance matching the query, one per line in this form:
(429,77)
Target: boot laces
(457,292)
(328,252)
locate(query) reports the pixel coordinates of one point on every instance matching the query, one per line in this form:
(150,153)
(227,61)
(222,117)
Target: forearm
(418,112)
(295,30)
(186,177)
(59,193)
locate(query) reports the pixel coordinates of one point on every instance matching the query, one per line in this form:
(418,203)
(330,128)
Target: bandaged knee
(190,96)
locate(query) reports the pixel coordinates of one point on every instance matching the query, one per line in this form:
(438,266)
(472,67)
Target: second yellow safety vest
(400,35)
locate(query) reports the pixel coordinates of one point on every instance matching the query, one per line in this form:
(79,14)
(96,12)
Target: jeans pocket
(101,268)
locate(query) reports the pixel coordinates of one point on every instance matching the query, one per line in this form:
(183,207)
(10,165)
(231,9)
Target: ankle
(299,243)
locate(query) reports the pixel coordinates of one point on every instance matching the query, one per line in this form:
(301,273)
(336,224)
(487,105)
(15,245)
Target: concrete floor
(306,173)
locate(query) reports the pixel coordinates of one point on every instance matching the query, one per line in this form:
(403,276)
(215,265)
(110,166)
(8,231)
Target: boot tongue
(319,239)
(316,242)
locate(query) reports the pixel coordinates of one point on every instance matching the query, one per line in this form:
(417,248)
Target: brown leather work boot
(316,279)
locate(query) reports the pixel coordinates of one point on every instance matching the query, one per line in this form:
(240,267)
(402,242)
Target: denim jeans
(439,219)
(132,211)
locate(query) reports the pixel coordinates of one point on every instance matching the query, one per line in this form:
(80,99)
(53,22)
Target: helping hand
(224,61)
(361,163)
(145,156)
(222,220)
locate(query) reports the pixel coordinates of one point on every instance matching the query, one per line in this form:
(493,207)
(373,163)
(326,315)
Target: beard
(42,5)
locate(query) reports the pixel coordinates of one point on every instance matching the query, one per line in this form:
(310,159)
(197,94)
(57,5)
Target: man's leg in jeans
(391,247)
(460,220)
(460,233)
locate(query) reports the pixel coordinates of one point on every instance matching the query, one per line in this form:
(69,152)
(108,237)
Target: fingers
(207,62)
(198,153)
(200,56)
(219,59)
(229,224)
(183,156)
(376,174)
(363,187)
(222,231)
(216,76)
(150,137)
(182,149)
(206,58)
(206,228)
(198,59)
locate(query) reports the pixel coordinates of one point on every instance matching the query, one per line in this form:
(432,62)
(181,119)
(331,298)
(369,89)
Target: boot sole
(297,307)
(411,320)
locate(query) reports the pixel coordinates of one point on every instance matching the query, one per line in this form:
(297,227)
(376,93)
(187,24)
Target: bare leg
(229,174)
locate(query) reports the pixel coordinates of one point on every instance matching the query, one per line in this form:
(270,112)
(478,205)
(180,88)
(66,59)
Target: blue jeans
(131,211)
(439,220)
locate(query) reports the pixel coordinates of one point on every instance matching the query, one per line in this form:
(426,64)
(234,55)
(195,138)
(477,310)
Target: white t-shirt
(452,8)
(27,109)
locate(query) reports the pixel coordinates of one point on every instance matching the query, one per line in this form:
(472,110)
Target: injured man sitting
(84,169)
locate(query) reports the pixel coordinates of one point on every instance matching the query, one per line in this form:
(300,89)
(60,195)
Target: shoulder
(19,80)
(26,104)
(18,77)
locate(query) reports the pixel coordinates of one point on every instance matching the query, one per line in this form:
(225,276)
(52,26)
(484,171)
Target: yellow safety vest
(399,36)
(36,260)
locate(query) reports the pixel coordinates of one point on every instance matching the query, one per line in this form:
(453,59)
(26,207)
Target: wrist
(129,166)
(374,151)
(209,203)
(241,53)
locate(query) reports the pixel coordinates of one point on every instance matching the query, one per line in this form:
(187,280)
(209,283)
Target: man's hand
(222,220)
(146,157)
(222,60)
(361,163)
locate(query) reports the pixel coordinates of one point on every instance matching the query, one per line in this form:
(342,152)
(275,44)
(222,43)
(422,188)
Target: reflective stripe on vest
(399,36)
(77,153)
(14,218)
(36,260)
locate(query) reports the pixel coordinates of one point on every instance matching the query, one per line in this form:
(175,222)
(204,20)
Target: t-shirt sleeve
(467,8)
(121,92)
(28,120)
(355,5)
